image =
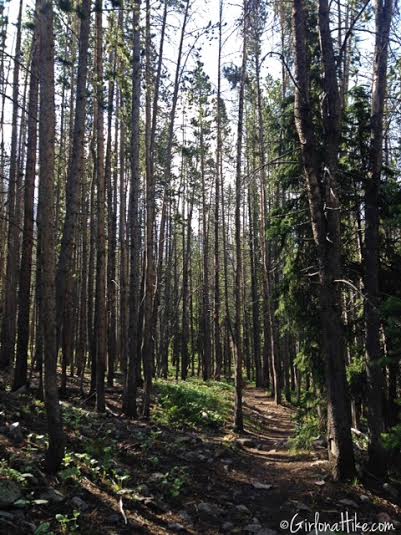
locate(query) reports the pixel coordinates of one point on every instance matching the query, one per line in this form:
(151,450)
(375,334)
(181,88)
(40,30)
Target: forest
(200,266)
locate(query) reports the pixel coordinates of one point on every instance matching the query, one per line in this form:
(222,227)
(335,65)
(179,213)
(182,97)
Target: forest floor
(135,477)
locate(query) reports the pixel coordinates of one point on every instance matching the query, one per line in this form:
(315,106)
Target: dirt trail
(223,483)
(257,484)
(301,482)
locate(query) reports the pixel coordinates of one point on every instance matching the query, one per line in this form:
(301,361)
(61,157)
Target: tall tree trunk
(8,327)
(324,227)
(100,308)
(150,271)
(111,226)
(47,125)
(377,456)
(134,224)
(24,296)
(219,172)
(238,414)
(65,271)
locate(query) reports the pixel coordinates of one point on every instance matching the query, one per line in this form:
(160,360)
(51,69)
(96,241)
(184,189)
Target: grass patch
(192,404)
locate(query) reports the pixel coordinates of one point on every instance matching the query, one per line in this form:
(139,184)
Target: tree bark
(24,296)
(324,227)
(134,224)
(47,124)
(375,379)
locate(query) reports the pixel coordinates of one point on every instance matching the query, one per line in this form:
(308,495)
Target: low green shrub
(192,404)
(307,430)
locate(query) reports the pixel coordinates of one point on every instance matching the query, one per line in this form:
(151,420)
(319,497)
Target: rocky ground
(122,477)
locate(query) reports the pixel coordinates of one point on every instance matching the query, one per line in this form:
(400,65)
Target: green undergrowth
(192,404)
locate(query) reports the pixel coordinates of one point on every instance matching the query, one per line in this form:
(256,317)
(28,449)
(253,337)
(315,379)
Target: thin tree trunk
(24,296)
(100,309)
(238,414)
(8,328)
(134,223)
(47,125)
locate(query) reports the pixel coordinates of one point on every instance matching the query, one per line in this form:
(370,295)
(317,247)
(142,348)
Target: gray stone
(261,486)
(79,503)
(242,509)
(6,516)
(390,490)
(155,477)
(348,503)
(383,517)
(252,528)
(115,518)
(10,492)
(227,526)
(185,516)
(52,495)
(15,433)
(364,499)
(209,509)
(246,442)
(175,526)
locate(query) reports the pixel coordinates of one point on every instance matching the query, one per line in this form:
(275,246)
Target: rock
(115,518)
(252,528)
(320,482)
(209,509)
(390,490)
(79,503)
(227,526)
(383,517)
(301,506)
(175,526)
(364,499)
(15,433)
(52,495)
(242,509)
(143,490)
(246,442)
(318,462)
(155,477)
(6,516)
(348,503)
(261,486)
(10,492)
(359,470)
(185,516)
